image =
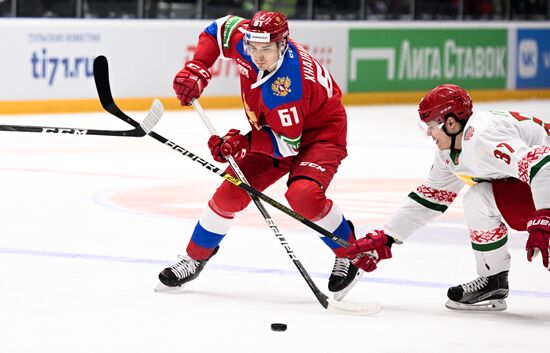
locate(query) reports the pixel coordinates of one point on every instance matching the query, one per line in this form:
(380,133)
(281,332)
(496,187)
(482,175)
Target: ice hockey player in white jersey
(504,158)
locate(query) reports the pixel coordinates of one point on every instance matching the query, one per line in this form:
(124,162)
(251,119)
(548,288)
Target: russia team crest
(281,86)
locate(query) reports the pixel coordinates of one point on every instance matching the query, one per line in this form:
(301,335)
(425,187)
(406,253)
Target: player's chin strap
(453,137)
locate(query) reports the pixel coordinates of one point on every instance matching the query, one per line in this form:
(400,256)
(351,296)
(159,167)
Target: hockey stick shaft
(321,297)
(211,167)
(153,116)
(71,131)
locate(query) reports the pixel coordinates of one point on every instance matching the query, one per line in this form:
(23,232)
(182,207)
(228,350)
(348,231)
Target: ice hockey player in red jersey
(504,157)
(298,127)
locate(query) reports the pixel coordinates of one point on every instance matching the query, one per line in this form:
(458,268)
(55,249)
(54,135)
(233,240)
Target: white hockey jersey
(495,145)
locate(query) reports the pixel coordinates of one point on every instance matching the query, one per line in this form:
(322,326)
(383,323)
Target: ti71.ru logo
(45,66)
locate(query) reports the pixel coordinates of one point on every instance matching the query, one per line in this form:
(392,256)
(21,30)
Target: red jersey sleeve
(217,39)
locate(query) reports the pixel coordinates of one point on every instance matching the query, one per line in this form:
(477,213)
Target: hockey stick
(153,116)
(326,302)
(101,76)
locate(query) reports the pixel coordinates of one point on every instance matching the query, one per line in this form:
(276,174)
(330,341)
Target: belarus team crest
(281,86)
(469,133)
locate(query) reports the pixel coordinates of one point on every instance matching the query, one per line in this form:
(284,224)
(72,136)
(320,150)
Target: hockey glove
(235,144)
(538,227)
(232,144)
(366,252)
(191,81)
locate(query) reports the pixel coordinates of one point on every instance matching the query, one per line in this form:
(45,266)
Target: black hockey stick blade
(101,78)
(103,87)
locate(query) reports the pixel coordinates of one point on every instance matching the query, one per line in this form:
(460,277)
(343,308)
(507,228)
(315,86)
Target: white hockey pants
(488,234)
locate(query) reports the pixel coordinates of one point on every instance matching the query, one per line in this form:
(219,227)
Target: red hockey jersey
(295,105)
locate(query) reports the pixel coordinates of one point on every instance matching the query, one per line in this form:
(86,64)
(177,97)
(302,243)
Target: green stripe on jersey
(490,246)
(535,169)
(295,143)
(230,25)
(428,204)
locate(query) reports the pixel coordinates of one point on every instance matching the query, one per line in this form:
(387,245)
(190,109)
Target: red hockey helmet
(267,27)
(444,100)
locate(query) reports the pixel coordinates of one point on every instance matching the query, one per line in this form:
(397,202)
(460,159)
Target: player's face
(435,131)
(264,55)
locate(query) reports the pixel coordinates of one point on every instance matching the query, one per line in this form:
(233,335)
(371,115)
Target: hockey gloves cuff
(366,252)
(538,227)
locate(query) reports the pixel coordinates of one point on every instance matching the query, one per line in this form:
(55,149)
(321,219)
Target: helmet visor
(432,124)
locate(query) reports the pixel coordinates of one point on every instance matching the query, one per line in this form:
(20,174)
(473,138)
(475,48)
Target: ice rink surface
(89,221)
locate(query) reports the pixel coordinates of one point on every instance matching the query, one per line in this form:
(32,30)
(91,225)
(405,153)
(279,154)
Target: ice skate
(344,274)
(343,277)
(481,294)
(185,270)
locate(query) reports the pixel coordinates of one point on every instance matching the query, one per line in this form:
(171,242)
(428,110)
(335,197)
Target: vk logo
(528,54)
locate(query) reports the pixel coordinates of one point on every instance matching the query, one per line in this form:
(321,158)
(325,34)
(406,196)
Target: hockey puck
(278,327)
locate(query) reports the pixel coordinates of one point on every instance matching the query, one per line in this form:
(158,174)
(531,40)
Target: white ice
(87,222)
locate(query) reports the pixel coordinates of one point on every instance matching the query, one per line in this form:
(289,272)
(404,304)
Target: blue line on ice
(124,259)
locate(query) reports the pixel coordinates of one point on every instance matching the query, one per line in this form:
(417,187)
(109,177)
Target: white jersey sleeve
(427,201)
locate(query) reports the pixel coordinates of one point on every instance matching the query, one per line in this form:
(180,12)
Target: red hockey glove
(366,252)
(233,143)
(538,227)
(191,81)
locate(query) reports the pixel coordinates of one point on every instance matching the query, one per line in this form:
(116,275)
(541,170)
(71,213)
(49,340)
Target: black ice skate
(185,270)
(344,275)
(481,294)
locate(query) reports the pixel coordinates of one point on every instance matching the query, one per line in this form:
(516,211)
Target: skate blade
(338,296)
(161,288)
(487,305)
